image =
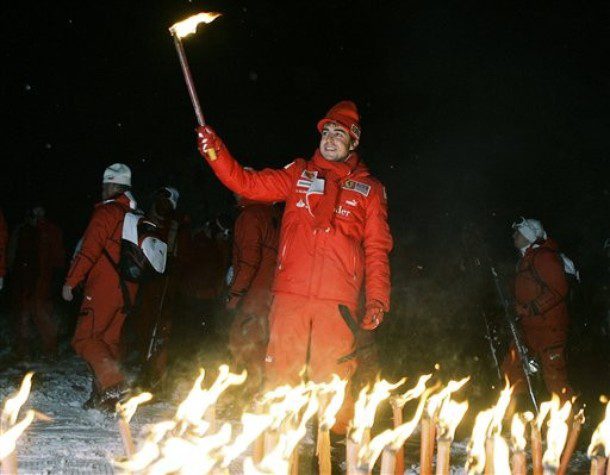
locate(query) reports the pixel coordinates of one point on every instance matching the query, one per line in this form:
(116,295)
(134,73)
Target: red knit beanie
(346,114)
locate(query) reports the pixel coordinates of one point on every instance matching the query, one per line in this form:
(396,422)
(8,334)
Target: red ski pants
(36,306)
(248,339)
(547,344)
(98,332)
(309,333)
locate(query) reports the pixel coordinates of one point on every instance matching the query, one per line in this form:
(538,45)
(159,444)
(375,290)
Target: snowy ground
(80,441)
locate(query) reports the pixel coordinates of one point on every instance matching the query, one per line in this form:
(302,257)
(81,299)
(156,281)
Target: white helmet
(118,173)
(531,229)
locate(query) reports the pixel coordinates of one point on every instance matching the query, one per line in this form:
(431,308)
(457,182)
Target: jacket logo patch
(300,204)
(341,211)
(358,187)
(351,202)
(304,183)
(309,175)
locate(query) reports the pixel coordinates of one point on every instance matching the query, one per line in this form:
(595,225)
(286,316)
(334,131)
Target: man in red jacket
(37,253)
(98,331)
(541,288)
(257,232)
(334,240)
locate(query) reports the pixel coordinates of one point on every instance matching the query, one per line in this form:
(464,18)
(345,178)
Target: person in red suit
(37,253)
(540,290)
(255,243)
(105,303)
(334,243)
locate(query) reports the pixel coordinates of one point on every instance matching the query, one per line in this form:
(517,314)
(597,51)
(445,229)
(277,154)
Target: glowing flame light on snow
(366,407)
(128,409)
(601,437)
(557,432)
(189,26)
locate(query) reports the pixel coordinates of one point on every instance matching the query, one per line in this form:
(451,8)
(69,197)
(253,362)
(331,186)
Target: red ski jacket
(331,262)
(103,232)
(541,285)
(3,244)
(255,249)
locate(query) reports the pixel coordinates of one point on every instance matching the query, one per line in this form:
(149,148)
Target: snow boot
(109,397)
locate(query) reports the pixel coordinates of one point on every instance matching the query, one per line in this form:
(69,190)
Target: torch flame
(8,439)
(128,409)
(557,432)
(517,433)
(366,407)
(435,401)
(253,425)
(391,438)
(501,455)
(337,388)
(189,26)
(12,406)
(500,409)
(601,437)
(449,417)
(415,391)
(476,444)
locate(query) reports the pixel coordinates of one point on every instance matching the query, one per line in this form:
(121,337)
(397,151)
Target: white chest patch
(351,202)
(300,204)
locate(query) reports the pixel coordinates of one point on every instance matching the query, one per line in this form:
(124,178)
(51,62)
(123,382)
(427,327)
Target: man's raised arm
(267,185)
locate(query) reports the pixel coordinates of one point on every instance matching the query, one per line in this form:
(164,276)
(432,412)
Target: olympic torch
(180,30)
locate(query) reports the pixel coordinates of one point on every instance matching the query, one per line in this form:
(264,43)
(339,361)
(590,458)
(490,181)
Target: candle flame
(499,410)
(128,409)
(189,26)
(476,445)
(449,417)
(416,391)
(336,388)
(501,455)
(557,433)
(8,439)
(253,425)
(393,439)
(366,407)
(435,401)
(517,433)
(12,406)
(600,440)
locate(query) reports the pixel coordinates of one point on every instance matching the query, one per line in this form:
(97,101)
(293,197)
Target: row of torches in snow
(191,443)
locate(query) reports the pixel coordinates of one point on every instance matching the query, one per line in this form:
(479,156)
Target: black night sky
(471,110)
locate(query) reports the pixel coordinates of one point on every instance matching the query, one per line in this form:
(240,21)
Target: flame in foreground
(366,407)
(127,410)
(435,402)
(392,439)
(417,390)
(600,440)
(12,406)
(487,424)
(557,433)
(8,439)
(336,390)
(449,417)
(501,463)
(476,445)
(189,26)
(517,432)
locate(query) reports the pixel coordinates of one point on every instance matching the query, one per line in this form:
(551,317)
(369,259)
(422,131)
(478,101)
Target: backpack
(143,253)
